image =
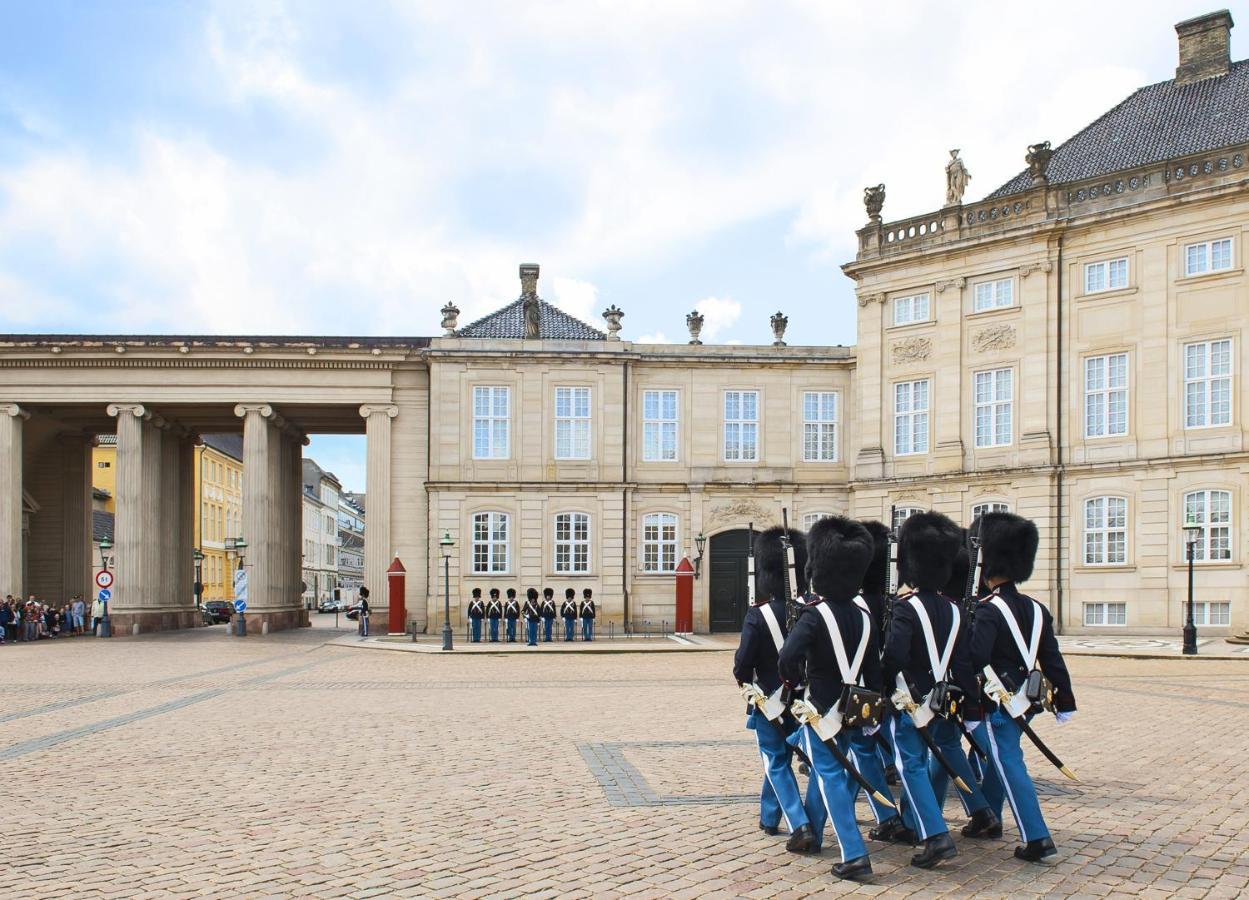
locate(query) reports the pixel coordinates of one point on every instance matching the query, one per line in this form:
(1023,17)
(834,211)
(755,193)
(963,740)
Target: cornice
(129,362)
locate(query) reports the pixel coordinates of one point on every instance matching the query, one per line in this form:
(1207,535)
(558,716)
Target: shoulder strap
(849,671)
(1027,651)
(774,626)
(940,663)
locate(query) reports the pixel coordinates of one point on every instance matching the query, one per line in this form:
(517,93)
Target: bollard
(264,627)
(134,630)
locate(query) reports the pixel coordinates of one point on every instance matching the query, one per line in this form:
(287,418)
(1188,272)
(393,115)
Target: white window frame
(736,448)
(1104,538)
(901,514)
(573,412)
(1098,614)
(572,550)
(1205,385)
(999,411)
(988,506)
(993,293)
(1106,275)
(819,434)
(1200,257)
(1197,507)
(498,442)
(659,552)
(1105,393)
(1203,608)
(907,310)
(485,549)
(809,519)
(908,420)
(658,428)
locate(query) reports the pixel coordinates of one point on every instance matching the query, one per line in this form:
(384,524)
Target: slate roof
(229,444)
(1156,123)
(509,322)
(101,525)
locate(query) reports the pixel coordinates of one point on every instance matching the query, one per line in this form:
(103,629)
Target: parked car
(353,613)
(329,605)
(218,611)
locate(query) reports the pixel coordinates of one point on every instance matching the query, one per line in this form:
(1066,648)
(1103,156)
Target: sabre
(807,714)
(1005,700)
(772,708)
(904,701)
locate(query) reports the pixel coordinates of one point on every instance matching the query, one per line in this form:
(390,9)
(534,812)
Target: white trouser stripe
(1001,773)
(819,781)
(854,758)
(767,776)
(897,763)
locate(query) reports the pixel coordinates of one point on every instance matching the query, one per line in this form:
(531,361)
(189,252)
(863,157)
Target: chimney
(1205,49)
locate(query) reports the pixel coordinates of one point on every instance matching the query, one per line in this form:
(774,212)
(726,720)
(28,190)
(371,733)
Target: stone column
(76,546)
(293,516)
(12,418)
(259,510)
(185,524)
(377,536)
(137,542)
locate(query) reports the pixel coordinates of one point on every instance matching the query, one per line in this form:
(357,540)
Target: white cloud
(719,314)
(657,338)
(577,298)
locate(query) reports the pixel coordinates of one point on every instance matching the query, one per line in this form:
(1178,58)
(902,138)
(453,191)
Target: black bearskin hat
(770,563)
(548,592)
(1008,545)
(839,550)
(476,592)
(569,593)
(927,545)
(957,585)
(511,593)
(874,578)
(531,594)
(494,592)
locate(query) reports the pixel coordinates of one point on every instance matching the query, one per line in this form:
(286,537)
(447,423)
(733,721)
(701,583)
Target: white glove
(1064,717)
(870,730)
(973,725)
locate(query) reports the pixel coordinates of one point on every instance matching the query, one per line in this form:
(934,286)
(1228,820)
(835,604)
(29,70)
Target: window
(1106,276)
(1212,512)
(1208,256)
(490,547)
(1105,531)
(1207,384)
(908,310)
(810,519)
(572,542)
(659,426)
(993,394)
(993,294)
(1212,613)
(819,426)
(1106,395)
(572,423)
(992,506)
(1105,614)
(491,422)
(659,542)
(741,426)
(104,464)
(902,513)
(910,417)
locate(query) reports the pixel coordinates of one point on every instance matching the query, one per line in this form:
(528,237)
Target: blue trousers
(1006,777)
(780,795)
(531,632)
(836,790)
(364,626)
(569,625)
(866,758)
(494,630)
(587,629)
(476,623)
(547,623)
(910,755)
(511,630)
(949,737)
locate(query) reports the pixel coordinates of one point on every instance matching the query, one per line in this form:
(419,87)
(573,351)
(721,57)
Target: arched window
(490,543)
(902,513)
(810,519)
(572,543)
(1105,531)
(1211,511)
(987,507)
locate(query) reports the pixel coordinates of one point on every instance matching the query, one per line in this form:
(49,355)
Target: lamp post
(240,549)
(198,556)
(106,625)
(699,542)
(1192,534)
(446,544)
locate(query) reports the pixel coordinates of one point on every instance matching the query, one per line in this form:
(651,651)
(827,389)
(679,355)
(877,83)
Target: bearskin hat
(839,550)
(875,577)
(770,563)
(1008,545)
(531,594)
(957,584)
(927,545)
(476,592)
(548,592)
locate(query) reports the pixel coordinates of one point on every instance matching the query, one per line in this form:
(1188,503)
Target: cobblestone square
(192,764)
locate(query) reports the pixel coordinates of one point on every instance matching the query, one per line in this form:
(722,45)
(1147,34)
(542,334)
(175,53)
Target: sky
(319,167)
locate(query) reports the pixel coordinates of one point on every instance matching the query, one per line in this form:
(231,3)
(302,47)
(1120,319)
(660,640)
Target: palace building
(1068,348)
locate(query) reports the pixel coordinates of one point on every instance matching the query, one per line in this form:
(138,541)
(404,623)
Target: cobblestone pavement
(196,764)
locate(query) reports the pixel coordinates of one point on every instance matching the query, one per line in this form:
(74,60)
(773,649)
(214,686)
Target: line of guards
(534,612)
(855,679)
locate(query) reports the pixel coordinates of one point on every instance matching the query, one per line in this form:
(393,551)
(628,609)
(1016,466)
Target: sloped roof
(230,444)
(1156,123)
(101,525)
(509,322)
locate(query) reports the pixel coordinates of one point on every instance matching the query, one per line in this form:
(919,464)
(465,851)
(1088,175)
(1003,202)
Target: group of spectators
(32,620)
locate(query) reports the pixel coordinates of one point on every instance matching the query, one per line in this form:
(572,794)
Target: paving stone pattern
(197,765)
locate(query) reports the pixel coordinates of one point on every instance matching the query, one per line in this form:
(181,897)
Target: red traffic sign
(104,579)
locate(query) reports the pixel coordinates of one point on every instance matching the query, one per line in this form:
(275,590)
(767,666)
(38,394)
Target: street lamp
(106,625)
(699,542)
(240,549)
(446,544)
(198,556)
(1192,534)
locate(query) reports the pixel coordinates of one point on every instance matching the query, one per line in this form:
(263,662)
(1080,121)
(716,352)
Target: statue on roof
(956,178)
(874,201)
(532,306)
(1038,158)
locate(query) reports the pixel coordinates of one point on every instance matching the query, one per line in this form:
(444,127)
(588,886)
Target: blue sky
(328,167)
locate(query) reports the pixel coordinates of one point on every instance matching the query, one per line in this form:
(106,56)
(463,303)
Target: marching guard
(476,612)
(586,610)
(511,612)
(548,613)
(755,668)
(1013,645)
(533,615)
(568,611)
(494,612)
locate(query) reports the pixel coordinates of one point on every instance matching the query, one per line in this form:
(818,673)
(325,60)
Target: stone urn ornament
(874,202)
(694,322)
(613,315)
(780,322)
(450,318)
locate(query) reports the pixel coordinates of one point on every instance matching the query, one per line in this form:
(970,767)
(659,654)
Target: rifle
(891,575)
(791,575)
(750,567)
(972,592)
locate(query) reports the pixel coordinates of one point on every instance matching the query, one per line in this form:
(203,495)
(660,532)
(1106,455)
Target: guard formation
(539,615)
(860,680)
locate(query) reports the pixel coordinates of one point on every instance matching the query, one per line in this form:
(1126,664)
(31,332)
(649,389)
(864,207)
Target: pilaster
(377,536)
(12,418)
(76,549)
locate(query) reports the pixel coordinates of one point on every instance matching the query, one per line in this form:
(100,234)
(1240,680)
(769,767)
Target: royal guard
(494,612)
(476,612)
(586,611)
(533,614)
(511,612)
(548,613)
(568,611)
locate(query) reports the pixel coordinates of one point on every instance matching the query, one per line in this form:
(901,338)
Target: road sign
(240,583)
(104,579)
(240,606)
(105,595)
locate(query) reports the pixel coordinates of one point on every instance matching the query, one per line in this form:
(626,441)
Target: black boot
(1035,851)
(769,829)
(891,774)
(983,824)
(802,840)
(892,831)
(853,869)
(936,848)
